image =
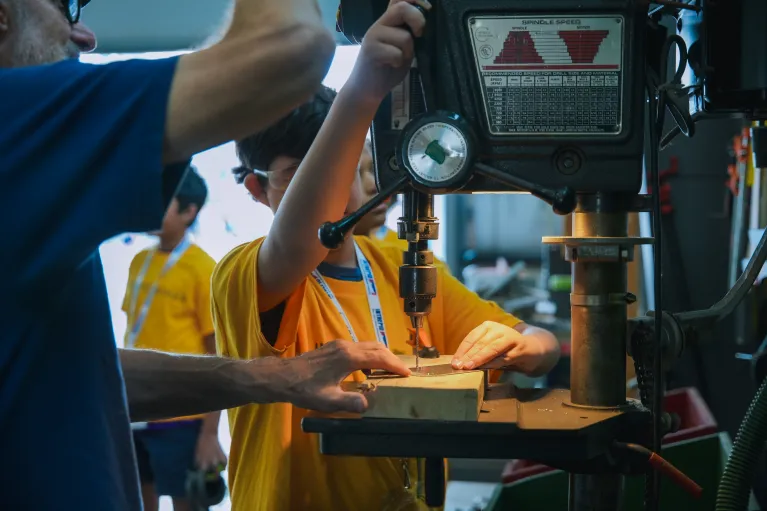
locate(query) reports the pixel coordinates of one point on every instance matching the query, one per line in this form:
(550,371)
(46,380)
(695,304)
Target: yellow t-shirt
(274,466)
(179,316)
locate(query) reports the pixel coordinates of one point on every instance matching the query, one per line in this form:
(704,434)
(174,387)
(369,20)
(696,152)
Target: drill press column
(598,250)
(598,308)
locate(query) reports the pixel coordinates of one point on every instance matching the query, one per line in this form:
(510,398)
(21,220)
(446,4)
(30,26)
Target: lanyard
(173,258)
(374,301)
(382,231)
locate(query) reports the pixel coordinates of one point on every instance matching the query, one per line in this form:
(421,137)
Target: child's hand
(494,345)
(209,454)
(387,50)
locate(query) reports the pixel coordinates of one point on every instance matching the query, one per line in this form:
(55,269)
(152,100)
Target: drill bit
(417,322)
(417,345)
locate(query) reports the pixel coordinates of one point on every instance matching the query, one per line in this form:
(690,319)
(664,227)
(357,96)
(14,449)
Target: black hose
(735,487)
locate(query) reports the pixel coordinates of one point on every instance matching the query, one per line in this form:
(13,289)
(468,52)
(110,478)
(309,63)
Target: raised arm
(161,385)
(272,58)
(320,190)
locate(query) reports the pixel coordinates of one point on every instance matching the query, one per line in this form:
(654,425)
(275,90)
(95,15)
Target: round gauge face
(437,152)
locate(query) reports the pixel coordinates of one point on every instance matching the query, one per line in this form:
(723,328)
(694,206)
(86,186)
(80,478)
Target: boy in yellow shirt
(167,302)
(286,294)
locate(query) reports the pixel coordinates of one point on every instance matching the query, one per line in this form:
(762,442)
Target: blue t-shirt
(80,162)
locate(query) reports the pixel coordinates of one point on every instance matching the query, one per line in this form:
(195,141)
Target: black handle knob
(332,234)
(563,201)
(434,484)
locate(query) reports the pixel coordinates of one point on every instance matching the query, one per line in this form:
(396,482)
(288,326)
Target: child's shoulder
(383,253)
(139,258)
(199,255)
(238,259)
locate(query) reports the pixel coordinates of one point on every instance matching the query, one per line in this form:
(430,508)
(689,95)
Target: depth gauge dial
(437,150)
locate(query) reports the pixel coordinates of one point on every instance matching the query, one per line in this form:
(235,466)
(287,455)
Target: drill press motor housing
(550,92)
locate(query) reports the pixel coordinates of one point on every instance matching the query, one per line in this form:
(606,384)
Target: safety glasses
(71,9)
(281,178)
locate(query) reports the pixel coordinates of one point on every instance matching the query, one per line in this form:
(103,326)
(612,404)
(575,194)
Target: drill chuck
(417,287)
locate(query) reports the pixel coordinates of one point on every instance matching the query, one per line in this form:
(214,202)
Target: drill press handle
(332,234)
(562,200)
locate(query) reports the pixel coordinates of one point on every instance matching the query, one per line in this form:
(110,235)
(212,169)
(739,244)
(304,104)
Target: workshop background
(493,242)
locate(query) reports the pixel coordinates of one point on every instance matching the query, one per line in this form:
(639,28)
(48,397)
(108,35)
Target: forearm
(319,193)
(549,346)
(210,423)
(272,58)
(161,385)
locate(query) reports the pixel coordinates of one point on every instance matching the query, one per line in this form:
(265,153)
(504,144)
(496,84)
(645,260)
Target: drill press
(546,97)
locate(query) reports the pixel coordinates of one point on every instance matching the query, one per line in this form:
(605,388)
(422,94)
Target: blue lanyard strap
(374,300)
(140,318)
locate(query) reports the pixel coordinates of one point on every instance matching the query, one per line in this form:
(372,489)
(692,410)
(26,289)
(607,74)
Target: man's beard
(33,47)
(31,50)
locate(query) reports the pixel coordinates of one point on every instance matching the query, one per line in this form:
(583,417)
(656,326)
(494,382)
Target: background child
(167,302)
(286,294)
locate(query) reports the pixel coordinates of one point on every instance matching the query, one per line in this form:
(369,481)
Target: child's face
(176,222)
(377,217)
(281,173)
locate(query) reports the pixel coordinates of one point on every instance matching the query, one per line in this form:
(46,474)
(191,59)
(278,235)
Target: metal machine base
(535,424)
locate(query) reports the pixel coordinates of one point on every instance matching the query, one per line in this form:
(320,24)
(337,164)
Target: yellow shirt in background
(179,316)
(274,466)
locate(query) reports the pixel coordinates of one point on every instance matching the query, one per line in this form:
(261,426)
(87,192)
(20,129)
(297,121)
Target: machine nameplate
(550,75)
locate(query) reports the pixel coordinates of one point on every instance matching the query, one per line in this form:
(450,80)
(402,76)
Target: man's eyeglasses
(72,9)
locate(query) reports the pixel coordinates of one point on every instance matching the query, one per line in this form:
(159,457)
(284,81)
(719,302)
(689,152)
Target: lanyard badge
(138,322)
(374,300)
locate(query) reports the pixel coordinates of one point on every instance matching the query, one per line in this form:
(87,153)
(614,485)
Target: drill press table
(535,424)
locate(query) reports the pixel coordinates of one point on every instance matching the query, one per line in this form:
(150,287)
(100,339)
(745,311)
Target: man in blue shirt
(88,152)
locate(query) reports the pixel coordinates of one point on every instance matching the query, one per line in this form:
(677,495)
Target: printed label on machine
(550,75)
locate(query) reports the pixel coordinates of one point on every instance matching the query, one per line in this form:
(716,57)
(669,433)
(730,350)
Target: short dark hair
(291,136)
(191,191)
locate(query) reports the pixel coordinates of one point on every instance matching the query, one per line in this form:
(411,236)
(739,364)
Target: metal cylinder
(598,312)
(598,341)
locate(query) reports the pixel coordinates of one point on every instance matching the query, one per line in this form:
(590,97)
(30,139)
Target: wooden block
(445,397)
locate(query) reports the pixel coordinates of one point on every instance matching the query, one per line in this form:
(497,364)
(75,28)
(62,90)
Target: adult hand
(209,455)
(494,345)
(314,378)
(387,50)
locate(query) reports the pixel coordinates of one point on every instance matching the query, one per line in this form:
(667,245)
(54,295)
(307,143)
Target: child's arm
(320,189)
(524,348)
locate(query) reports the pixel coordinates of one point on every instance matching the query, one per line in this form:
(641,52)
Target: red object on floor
(696,421)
